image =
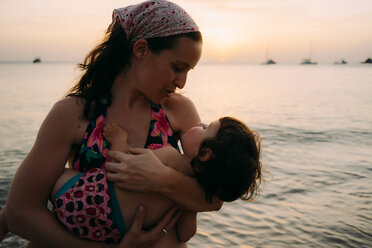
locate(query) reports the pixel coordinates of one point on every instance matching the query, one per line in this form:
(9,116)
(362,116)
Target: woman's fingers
(174,219)
(137,151)
(113,166)
(166,222)
(136,237)
(141,171)
(138,220)
(119,156)
(113,177)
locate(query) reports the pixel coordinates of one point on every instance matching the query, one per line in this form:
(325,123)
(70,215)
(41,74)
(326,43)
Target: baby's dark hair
(234,169)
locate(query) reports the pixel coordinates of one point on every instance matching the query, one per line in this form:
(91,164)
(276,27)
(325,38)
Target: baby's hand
(116,136)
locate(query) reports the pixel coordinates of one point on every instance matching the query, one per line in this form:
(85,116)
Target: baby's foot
(116,136)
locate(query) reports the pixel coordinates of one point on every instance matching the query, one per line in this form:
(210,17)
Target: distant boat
(36,60)
(269,62)
(307,61)
(341,62)
(368,61)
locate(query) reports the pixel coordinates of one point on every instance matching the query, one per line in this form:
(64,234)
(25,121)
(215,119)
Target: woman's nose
(180,84)
(180,81)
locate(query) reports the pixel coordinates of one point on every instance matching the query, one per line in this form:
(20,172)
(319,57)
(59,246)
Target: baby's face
(192,139)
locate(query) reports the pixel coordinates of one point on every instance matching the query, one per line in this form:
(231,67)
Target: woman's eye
(177,69)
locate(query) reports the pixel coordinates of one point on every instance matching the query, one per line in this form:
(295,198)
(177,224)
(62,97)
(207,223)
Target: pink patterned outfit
(86,209)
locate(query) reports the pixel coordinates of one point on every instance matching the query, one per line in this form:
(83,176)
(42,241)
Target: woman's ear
(205,155)
(140,48)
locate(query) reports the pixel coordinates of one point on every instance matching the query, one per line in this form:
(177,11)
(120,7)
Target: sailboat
(308,61)
(268,61)
(36,60)
(367,61)
(341,62)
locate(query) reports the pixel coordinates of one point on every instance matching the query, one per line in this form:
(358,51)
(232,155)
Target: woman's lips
(170,91)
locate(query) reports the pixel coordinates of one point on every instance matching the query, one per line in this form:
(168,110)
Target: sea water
(316,127)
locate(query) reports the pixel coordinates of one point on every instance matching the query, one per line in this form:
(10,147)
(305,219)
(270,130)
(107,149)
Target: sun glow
(222,42)
(233,31)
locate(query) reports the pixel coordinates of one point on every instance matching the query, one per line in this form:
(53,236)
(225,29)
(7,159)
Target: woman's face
(162,73)
(193,138)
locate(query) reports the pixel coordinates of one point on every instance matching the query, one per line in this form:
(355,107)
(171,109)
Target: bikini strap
(99,108)
(155,106)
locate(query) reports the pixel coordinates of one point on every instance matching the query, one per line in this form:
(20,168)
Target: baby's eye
(205,126)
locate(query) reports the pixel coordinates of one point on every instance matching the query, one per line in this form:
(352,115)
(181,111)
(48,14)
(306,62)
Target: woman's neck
(124,91)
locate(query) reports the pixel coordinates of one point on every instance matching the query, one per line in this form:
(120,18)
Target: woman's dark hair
(234,169)
(102,65)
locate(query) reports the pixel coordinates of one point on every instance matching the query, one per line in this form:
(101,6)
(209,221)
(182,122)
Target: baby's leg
(3,225)
(63,178)
(116,136)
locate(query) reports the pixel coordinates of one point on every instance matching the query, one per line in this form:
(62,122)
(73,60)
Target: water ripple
(284,134)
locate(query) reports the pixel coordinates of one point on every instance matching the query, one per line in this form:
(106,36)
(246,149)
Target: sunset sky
(233,30)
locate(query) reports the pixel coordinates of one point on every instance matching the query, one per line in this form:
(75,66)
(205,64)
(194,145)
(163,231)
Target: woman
(147,53)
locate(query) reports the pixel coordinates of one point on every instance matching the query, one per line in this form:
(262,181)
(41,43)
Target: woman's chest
(135,122)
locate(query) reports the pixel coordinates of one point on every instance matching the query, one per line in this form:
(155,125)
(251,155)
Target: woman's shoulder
(69,111)
(67,116)
(64,124)
(178,102)
(177,99)
(70,103)
(181,112)
(68,107)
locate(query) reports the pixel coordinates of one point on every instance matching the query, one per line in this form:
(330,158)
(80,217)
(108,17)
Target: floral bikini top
(91,150)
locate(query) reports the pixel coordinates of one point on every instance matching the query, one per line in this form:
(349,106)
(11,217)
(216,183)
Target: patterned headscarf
(150,19)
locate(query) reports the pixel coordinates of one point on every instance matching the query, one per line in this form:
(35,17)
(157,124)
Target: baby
(224,158)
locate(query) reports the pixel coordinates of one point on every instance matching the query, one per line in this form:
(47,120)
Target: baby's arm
(116,136)
(186,225)
(169,156)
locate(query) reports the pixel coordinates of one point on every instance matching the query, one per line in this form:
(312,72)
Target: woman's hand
(136,237)
(139,171)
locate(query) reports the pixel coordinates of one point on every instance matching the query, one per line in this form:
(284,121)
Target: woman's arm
(142,171)
(186,191)
(26,212)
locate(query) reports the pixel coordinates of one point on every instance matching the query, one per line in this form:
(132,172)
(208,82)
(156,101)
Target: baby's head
(228,163)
